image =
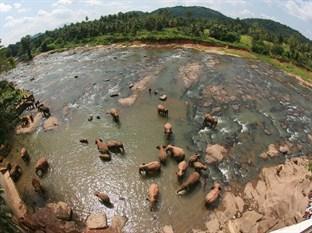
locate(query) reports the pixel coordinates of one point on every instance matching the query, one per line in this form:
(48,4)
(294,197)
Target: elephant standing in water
(102,146)
(210,121)
(162,154)
(15,172)
(192,180)
(213,195)
(162,110)
(176,152)
(168,130)
(151,167)
(115,146)
(24,154)
(115,114)
(182,166)
(103,197)
(153,195)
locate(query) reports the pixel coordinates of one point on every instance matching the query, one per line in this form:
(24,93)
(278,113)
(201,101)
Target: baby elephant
(195,157)
(168,130)
(115,114)
(153,194)
(162,154)
(213,195)
(176,152)
(115,146)
(151,167)
(198,166)
(41,167)
(24,154)
(182,166)
(210,121)
(162,110)
(192,180)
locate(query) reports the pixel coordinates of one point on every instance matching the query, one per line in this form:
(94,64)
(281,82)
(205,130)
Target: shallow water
(254,97)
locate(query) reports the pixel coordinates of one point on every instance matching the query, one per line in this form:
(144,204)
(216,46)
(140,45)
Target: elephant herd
(178,154)
(165,151)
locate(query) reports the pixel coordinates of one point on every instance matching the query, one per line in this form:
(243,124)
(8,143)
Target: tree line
(265,37)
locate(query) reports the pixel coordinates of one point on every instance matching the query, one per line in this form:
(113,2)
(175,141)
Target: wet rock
(31,127)
(84,141)
(131,85)
(76,76)
(97,221)
(98,117)
(235,107)
(267,132)
(50,123)
(90,118)
(167,229)
(216,110)
(272,151)
(61,210)
(163,97)
(215,153)
(284,149)
(248,222)
(310,138)
(114,94)
(118,223)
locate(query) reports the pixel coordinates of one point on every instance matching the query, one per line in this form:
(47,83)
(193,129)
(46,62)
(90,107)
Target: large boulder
(97,221)
(167,229)
(215,153)
(61,210)
(50,123)
(118,223)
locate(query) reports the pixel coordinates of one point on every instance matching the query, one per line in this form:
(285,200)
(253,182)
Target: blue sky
(22,17)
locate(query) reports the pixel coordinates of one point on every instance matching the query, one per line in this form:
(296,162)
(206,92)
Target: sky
(22,17)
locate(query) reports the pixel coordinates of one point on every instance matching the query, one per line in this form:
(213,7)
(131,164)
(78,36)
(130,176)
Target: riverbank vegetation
(193,24)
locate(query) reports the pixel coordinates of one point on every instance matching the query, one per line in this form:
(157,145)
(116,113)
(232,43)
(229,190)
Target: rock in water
(50,123)
(163,97)
(118,223)
(97,221)
(114,94)
(61,210)
(167,229)
(215,153)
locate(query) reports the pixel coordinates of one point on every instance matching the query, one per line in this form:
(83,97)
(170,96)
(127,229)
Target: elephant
(41,167)
(37,186)
(115,114)
(168,130)
(24,154)
(150,167)
(210,121)
(115,146)
(15,172)
(102,146)
(213,195)
(162,110)
(182,166)
(195,157)
(176,152)
(162,154)
(153,195)
(198,166)
(191,180)
(45,110)
(103,197)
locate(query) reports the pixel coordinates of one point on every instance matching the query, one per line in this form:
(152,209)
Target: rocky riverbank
(276,199)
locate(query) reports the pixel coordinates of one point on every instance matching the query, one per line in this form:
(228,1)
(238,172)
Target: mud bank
(277,198)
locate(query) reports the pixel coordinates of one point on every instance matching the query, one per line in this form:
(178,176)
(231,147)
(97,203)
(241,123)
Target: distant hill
(276,28)
(267,25)
(194,12)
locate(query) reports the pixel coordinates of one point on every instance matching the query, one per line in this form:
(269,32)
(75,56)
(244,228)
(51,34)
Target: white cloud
(301,9)
(5,7)
(93,2)
(17,27)
(62,2)
(17,5)
(246,13)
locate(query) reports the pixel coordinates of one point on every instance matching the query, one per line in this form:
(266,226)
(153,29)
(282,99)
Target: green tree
(26,47)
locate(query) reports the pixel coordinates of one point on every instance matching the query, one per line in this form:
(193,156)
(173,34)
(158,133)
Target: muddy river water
(256,105)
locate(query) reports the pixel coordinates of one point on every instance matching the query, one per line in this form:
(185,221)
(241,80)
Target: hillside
(196,24)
